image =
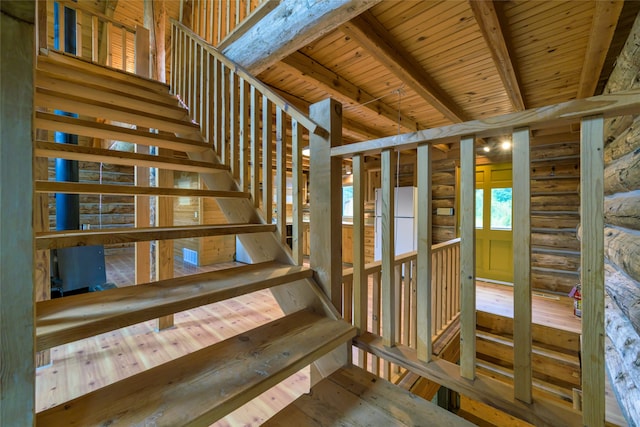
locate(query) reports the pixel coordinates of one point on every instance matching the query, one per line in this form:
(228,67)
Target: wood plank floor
(92,363)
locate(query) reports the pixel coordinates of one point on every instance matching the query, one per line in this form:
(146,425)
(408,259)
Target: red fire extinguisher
(577,300)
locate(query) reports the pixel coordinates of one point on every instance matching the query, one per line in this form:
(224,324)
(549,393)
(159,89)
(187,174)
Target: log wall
(622,235)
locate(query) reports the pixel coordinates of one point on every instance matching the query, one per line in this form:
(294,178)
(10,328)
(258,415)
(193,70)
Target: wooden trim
(90,154)
(65,239)
(467,258)
(522,338)
(609,105)
(592,269)
(487,19)
(88,188)
(388,283)
(424,326)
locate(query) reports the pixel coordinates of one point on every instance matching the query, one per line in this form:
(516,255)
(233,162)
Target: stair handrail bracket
(387,337)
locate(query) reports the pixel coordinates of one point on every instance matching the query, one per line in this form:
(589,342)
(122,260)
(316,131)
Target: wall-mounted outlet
(444,211)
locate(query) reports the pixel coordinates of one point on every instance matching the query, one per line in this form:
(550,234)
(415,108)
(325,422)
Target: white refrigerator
(406,234)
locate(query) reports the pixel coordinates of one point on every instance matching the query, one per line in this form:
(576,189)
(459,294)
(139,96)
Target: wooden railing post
(592,269)
(424,328)
(326,200)
(467,258)
(388,294)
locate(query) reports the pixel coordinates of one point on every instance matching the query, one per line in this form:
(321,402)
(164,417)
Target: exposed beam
(603,27)
(245,25)
(487,19)
(311,71)
(376,40)
(290,26)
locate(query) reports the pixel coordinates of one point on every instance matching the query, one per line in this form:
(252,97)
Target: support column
(17,374)
(164,248)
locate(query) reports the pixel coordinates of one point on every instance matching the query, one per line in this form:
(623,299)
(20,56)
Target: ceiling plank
(289,27)
(309,70)
(603,26)
(487,19)
(372,36)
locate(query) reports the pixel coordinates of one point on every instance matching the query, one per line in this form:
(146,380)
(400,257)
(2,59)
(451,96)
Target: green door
(494,238)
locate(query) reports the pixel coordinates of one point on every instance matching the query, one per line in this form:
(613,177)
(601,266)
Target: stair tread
(66,239)
(203,386)
(114,189)
(91,154)
(64,59)
(352,396)
(86,106)
(63,320)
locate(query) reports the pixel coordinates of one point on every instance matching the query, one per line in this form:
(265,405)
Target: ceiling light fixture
(486,148)
(506,145)
(306,152)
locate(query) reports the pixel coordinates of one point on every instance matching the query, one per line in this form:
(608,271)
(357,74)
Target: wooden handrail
(609,105)
(276,99)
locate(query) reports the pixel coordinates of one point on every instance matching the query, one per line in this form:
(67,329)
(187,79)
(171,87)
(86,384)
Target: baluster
(360,279)
(438,289)
(281,176)
(202,90)
(217,107)
(297,190)
(123,35)
(95,29)
(424,290)
(388,246)
(397,296)
(414,304)
(224,135)
(219,9)
(521,265)
(406,302)
(244,136)
(210,98)
(234,131)
(267,159)
(347,300)
(255,139)
(467,258)
(375,317)
(79,16)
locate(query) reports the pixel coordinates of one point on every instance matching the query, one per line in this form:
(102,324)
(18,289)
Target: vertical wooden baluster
(219,33)
(446,286)
(79,26)
(375,318)
(95,29)
(406,302)
(347,298)
(297,191)
(522,265)
(108,44)
(237,12)
(360,279)
(267,159)
(202,90)
(388,246)
(217,107)
(255,141)
(397,294)
(592,270)
(414,305)
(467,258)
(235,106)
(244,135)
(438,287)
(61,27)
(210,35)
(423,285)
(224,135)
(281,176)
(228,20)
(209,97)
(123,35)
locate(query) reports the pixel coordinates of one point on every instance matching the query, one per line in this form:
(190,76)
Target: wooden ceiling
(407,65)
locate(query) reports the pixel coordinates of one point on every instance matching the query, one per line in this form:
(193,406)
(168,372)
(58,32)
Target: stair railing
(252,129)
(445,297)
(112,42)
(387,342)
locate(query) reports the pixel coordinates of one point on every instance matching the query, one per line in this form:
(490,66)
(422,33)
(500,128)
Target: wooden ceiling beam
(289,27)
(376,40)
(487,19)
(311,71)
(603,26)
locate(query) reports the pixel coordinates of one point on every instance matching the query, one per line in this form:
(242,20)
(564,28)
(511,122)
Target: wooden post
(387,294)
(468,258)
(360,282)
(164,248)
(255,139)
(423,287)
(267,159)
(42,276)
(522,265)
(281,175)
(42,27)
(326,200)
(17,334)
(297,191)
(592,269)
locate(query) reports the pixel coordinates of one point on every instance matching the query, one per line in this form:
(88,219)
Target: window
(479,207)
(347,201)
(501,208)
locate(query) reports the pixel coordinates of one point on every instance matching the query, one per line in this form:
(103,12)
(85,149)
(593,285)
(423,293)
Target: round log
(625,143)
(623,175)
(625,292)
(623,210)
(622,248)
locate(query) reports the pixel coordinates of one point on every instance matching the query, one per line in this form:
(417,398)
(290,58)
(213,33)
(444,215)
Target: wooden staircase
(201,387)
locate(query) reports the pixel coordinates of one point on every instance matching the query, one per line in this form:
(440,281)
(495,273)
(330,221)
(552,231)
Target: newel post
(325,200)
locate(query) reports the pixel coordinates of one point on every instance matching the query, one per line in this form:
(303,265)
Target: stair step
(354,397)
(63,59)
(552,366)
(89,154)
(75,103)
(63,320)
(66,239)
(94,129)
(132,190)
(137,87)
(56,82)
(202,387)
(506,375)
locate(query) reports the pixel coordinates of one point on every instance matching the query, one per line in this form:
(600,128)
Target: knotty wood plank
(205,385)
(16,207)
(424,327)
(90,154)
(592,269)
(88,188)
(467,257)
(61,321)
(65,239)
(522,265)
